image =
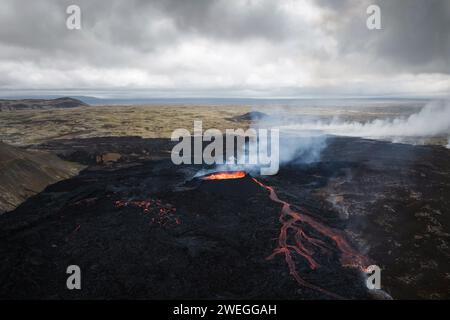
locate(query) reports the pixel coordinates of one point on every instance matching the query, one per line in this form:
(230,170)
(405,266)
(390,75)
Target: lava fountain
(224,175)
(294,240)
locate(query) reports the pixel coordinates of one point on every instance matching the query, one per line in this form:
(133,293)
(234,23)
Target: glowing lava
(293,240)
(163,214)
(225,175)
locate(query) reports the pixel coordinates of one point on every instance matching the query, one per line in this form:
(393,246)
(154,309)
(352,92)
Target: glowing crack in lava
(225,175)
(163,214)
(293,239)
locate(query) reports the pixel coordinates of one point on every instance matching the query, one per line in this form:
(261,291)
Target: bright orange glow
(225,175)
(294,240)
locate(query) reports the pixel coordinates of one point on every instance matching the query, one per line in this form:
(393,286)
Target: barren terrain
(141,227)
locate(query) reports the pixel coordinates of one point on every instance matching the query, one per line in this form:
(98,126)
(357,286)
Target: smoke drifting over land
(301,147)
(432,120)
(303,140)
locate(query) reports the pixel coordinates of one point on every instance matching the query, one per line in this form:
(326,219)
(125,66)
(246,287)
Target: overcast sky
(226,48)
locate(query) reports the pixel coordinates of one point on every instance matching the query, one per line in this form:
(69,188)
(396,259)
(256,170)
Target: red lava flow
(293,239)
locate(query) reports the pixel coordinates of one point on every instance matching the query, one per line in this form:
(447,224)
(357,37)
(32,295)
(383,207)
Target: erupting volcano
(228,235)
(294,239)
(225,175)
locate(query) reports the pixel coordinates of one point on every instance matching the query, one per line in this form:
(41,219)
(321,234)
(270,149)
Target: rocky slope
(24,173)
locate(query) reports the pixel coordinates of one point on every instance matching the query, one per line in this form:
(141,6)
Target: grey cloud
(138,34)
(418,35)
(115,33)
(41,23)
(415,35)
(222,19)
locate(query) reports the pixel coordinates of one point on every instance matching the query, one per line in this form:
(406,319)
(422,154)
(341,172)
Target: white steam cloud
(431,121)
(303,143)
(302,147)
(293,147)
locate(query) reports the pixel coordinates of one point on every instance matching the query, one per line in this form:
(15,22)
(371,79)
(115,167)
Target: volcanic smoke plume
(432,120)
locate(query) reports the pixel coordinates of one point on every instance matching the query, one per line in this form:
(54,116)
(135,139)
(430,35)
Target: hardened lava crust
(140,227)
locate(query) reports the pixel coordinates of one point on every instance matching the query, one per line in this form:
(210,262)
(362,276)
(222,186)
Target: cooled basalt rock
(396,197)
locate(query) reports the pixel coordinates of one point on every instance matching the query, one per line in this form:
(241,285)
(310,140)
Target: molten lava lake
(225,175)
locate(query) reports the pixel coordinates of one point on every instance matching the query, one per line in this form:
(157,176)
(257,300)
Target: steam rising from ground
(302,139)
(431,121)
(302,148)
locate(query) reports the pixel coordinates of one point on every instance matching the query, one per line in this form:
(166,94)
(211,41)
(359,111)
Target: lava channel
(293,240)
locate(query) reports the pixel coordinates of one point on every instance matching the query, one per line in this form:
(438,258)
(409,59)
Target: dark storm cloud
(415,35)
(222,19)
(418,36)
(41,24)
(298,45)
(115,32)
